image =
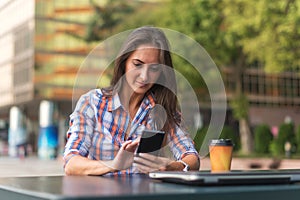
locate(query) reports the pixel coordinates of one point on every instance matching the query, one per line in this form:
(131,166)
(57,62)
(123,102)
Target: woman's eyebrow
(138,60)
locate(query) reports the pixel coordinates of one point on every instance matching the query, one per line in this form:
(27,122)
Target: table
(133,187)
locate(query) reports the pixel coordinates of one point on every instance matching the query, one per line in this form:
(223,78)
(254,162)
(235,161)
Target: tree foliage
(240,106)
(105,19)
(236,33)
(264,33)
(268,31)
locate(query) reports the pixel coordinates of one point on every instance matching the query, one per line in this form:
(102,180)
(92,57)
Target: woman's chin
(141,90)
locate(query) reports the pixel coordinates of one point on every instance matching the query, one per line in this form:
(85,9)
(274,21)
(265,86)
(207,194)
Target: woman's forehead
(146,54)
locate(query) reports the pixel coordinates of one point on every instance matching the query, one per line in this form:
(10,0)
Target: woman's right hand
(124,157)
(79,165)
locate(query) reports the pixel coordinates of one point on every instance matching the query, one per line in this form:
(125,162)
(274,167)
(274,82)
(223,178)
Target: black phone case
(151,142)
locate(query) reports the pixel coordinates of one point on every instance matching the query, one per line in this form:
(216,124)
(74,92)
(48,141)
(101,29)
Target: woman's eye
(138,65)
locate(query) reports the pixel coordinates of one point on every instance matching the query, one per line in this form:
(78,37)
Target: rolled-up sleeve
(181,143)
(81,128)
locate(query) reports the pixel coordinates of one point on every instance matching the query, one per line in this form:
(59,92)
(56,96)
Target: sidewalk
(32,166)
(256,163)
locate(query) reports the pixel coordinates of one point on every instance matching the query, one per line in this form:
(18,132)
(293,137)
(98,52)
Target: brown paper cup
(220,151)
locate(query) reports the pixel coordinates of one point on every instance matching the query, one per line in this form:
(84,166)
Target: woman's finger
(140,168)
(157,159)
(132,146)
(124,145)
(144,169)
(145,162)
(148,156)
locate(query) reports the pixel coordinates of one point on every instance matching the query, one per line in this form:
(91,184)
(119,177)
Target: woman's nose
(144,74)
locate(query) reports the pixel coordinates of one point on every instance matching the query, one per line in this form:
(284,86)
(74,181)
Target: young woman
(106,125)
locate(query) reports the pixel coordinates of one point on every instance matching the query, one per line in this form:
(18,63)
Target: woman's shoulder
(92,96)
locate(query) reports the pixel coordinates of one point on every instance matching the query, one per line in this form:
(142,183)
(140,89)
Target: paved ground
(32,166)
(257,163)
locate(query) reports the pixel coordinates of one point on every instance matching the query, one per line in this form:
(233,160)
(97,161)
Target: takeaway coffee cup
(220,154)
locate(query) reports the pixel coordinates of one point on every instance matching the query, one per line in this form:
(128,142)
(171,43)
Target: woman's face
(142,68)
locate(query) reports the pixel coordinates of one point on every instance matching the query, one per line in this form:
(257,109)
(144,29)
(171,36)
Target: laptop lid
(229,178)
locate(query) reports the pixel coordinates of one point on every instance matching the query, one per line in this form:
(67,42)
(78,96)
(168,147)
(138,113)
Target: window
(23,40)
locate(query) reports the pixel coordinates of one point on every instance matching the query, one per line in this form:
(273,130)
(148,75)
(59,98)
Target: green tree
(262,32)
(105,19)
(237,34)
(205,22)
(267,31)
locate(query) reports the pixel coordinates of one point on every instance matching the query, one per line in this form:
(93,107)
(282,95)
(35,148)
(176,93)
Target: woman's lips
(141,84)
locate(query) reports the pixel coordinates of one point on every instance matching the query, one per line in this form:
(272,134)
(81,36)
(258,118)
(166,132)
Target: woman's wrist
(107,166)
(175,166)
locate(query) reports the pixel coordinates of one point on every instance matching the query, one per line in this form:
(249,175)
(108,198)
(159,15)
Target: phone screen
(151,142)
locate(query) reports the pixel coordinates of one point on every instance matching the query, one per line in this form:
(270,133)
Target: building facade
(273,98)
(17,52)
(40,57)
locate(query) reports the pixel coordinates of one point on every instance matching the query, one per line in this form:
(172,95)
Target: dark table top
(133,187)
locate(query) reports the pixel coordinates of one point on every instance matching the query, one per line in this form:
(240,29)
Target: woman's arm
(146,163)
(182,146)
(192,160)
(79,165)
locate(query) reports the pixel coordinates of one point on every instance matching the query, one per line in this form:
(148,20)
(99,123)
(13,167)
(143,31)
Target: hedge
(262,139)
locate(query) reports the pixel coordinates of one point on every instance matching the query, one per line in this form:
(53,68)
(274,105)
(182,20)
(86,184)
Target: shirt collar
(115,102)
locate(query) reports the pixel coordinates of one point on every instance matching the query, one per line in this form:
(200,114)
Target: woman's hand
(146,162)
(79,165)
(124,158)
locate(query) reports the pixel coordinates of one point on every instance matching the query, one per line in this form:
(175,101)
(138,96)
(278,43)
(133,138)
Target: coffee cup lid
(221,142)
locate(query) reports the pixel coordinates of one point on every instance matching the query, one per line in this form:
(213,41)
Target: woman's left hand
(146,162)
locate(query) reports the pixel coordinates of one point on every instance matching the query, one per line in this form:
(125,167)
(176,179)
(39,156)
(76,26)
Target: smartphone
(151,142)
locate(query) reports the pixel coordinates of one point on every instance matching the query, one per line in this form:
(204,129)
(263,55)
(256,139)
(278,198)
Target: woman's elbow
(68,170)
(69,167)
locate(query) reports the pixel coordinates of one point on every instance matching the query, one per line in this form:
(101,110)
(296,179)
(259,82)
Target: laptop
(251,177)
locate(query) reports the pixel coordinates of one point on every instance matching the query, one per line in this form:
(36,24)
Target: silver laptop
(251,177)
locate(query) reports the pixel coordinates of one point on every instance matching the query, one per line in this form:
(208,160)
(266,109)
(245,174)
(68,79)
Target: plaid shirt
(98,127)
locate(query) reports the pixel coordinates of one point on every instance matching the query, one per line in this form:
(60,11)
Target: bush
(199,138)
(228,133)
(298,139)
(262,139)
(274,149)
(286,134)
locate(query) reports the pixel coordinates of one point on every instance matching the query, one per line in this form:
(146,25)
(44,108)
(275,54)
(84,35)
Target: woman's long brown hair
(166,88)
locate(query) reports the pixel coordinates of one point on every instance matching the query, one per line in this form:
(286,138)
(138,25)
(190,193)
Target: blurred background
(255,45)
